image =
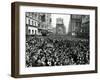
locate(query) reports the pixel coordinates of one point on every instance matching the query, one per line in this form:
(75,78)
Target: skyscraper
(79,26)
(75,24)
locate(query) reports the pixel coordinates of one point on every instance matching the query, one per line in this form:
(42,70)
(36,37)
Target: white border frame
(55,69)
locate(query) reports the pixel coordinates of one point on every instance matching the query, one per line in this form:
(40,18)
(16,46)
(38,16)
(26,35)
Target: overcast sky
(66,19)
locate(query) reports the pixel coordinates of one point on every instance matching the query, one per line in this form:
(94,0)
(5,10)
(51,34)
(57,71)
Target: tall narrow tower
(60,28)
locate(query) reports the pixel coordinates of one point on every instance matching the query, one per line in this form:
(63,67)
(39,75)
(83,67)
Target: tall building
(75,24)
(32,23)
(60,28)
(45,20)
(85,26)
(37,22)
(79,26)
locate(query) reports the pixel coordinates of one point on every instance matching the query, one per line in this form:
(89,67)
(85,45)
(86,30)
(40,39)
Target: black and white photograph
(52,39)
(57,39)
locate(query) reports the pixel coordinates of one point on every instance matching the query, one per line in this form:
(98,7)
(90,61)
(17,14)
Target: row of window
(33,31)
(84,30)
(31,22)
(32,15)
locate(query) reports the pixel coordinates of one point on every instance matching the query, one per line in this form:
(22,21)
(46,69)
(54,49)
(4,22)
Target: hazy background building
(65,17)
(60,27)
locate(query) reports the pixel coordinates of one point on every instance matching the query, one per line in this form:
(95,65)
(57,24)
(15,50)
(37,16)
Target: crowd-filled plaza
(56,51)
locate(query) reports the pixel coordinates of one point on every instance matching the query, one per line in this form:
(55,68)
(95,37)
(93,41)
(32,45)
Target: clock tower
(60,28)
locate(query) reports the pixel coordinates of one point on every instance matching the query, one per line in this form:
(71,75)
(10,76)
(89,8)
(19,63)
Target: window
(29,31)
(29,21)
(32,23)
(50,20)
(35,24)
(35,31)
(43,18)
(32,31)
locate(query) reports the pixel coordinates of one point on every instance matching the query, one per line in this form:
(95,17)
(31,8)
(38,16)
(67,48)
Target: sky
(66,19)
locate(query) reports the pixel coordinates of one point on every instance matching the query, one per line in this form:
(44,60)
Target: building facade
(75,25)
(79,26)
(85,26)
(36,23)
(32,23)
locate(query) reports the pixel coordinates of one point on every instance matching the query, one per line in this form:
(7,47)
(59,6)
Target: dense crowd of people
(48,51)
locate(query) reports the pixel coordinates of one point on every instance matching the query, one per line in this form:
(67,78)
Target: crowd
(56,52)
